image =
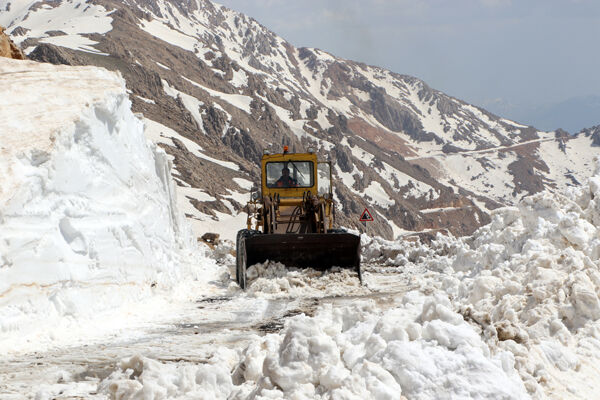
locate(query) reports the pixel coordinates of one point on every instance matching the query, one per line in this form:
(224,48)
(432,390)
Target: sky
(532,60)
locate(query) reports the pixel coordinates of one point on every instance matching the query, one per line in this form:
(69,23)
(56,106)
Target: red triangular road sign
(366,216)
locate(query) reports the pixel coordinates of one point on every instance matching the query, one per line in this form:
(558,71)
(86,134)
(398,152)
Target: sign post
(366,217)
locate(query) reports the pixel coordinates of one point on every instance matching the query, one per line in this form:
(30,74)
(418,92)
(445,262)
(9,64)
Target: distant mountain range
(572,115)
(216,88)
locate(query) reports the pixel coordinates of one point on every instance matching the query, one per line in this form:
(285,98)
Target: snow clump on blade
(273,279)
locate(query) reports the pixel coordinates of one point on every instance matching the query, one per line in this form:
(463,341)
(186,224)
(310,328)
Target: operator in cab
(286,181)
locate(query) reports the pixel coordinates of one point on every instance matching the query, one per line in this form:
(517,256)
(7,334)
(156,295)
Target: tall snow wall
(87,205)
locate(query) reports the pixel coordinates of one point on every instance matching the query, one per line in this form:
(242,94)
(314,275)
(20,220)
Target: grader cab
(291,219)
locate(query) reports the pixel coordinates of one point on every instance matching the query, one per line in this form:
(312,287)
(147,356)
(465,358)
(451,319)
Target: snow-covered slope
(88,214)
(62,24)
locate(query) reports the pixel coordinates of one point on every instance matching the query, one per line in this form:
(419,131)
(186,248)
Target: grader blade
(319,251)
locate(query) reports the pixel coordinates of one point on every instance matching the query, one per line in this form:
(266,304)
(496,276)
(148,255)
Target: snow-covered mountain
(216,88)
(104,295)
(572,115)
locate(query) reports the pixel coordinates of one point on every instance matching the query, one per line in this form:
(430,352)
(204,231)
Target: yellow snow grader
(293,217)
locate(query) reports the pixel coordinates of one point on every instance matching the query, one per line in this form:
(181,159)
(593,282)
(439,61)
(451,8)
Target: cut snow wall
(87,205)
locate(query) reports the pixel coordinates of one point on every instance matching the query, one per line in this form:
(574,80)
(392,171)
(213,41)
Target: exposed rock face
(54,55)
(594,134)
(419,159)
(8,48)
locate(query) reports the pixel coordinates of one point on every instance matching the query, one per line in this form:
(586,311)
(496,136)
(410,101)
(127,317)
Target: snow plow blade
(319,251)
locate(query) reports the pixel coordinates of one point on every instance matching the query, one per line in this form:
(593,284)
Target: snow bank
(419,349)
(531,280)
(88,217)
(143,378)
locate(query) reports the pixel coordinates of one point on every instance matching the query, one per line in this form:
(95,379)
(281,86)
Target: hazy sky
(525,53)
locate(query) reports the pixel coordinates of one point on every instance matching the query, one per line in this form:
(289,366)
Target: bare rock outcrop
(8,48)
(49,53)
(594,132)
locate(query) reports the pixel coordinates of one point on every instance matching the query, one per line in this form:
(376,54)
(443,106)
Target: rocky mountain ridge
(216,88)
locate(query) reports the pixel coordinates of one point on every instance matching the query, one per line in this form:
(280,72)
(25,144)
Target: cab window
(290,174)
(324,180)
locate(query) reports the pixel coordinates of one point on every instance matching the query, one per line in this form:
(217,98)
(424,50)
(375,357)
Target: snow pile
(531,280)
(143,378)
(420,349)
(88,218)
(273,279)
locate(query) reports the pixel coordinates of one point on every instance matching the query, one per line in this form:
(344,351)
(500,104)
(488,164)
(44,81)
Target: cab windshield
(288,174)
